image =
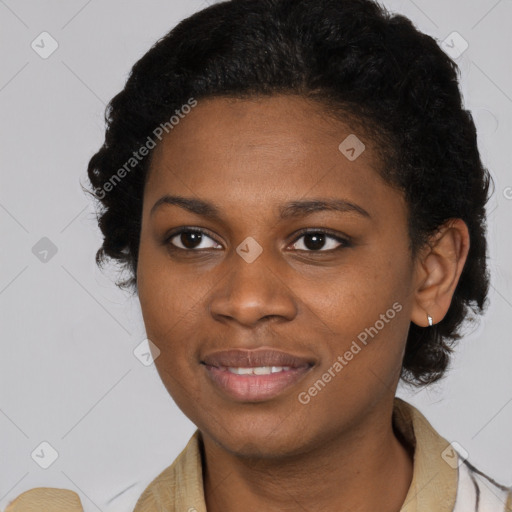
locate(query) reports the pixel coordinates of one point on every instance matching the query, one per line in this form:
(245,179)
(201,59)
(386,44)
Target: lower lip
(255,388)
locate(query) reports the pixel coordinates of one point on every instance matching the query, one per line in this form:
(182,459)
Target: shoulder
(477,491)
(446,479)
(179,487)
(48,499)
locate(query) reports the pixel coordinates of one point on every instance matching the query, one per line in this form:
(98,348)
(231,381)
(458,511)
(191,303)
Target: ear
(438,268)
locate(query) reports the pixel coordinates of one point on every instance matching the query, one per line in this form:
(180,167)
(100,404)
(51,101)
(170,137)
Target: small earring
(429,318)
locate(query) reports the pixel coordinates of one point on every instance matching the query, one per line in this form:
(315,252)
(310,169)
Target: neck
(367,468)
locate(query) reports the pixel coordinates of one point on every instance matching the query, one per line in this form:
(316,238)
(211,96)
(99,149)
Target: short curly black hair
(359,62)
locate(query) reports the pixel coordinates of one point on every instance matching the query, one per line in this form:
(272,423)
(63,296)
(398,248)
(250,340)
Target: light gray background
(68,374)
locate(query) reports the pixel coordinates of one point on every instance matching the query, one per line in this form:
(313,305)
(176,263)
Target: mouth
(255,375)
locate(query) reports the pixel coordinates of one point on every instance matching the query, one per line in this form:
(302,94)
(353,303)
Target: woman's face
(338,299)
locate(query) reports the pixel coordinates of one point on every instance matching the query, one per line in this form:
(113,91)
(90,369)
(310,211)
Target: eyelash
(344,242)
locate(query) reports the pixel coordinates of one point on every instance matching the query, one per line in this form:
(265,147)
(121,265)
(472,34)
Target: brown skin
(339,451)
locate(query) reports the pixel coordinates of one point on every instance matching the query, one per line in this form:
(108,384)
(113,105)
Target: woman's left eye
(320,241)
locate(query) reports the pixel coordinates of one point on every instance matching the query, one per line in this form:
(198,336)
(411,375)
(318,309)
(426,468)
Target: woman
(296,191)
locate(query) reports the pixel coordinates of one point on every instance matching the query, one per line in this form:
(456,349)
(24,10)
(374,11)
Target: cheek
(162,294)
(171,319)
(367,310)
(174,313)
(360,365)
(356,294)
(163,307)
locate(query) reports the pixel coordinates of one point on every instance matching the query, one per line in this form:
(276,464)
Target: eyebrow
(286,211)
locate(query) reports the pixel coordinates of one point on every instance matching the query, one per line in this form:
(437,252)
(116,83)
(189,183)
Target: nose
(253,292)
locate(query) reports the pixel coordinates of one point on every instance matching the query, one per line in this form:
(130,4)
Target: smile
(258,370)
(254,384)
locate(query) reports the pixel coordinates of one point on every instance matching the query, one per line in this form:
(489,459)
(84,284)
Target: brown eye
(191,239)
(319,241)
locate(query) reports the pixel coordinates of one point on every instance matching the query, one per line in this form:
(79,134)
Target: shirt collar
(433,486)
(435,476)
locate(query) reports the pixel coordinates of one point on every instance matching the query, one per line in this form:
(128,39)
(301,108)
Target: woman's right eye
(191,239)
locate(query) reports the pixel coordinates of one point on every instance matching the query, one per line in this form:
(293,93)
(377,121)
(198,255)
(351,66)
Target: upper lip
(240,358)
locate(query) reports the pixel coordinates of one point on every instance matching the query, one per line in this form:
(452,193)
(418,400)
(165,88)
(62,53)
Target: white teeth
(244,371)
(258,370)
(276,369)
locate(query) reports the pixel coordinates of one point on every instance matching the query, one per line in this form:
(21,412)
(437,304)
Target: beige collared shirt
(442,481)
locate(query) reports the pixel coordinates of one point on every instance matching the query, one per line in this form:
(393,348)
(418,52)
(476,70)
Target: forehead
(264,149)
(228,127)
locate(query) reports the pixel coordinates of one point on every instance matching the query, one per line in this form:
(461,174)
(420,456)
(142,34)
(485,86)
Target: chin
(251,442)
